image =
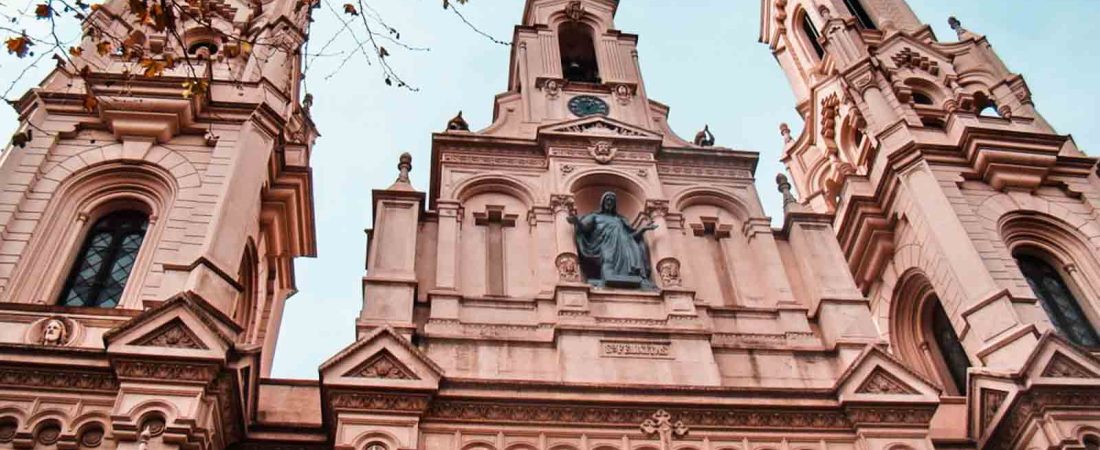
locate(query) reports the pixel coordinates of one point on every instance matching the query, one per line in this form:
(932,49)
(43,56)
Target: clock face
(587,105)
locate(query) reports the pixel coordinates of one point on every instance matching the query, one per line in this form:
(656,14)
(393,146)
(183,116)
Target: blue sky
(700,57)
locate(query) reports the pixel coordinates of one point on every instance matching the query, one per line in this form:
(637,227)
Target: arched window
(246,299)
(951,352)
(1092,442)
(1057,300)
(99,273)
(812,35)
(921,98)
(578,53)
(864,19)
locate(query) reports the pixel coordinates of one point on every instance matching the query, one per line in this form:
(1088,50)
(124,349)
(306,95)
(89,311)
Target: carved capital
(563,202)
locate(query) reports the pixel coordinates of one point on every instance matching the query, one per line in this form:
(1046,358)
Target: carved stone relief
(882,382)
(173,334)
(568,268)
(669,269)
(54,331)
(383,365)
(602,151)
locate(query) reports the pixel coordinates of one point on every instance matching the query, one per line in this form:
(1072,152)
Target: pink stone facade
(925,172)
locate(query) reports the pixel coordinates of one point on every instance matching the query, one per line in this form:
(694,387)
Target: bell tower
(149,221)
(965,218)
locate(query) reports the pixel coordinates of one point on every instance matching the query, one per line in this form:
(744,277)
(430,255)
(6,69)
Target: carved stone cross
(661,424)
(495,220)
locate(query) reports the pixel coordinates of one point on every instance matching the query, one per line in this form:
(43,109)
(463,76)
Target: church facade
(576,276)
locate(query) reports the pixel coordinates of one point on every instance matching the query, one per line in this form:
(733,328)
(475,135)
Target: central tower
(484,327)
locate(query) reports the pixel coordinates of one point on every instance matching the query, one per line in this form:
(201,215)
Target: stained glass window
(1057,300)
(947,342)
(103,265)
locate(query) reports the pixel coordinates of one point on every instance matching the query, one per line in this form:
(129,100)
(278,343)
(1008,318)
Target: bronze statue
(612,253)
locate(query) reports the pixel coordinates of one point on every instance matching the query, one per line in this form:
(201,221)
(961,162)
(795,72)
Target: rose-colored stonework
(888,312)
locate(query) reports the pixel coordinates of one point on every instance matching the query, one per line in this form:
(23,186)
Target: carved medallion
(662,426)
(669,268)
(602,151)
(568,268)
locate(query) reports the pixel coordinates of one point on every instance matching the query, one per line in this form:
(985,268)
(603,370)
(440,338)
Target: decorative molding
(493,160)
(382,365)
(1060,366)
(1031,406)
(703,171)
(165,371)
(893,416)
(599,127)
(61,379)
(882,382)
(377,401)
(749,418)
(173,334)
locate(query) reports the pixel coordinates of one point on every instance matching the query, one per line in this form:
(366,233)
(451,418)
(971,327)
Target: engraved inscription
(634,349)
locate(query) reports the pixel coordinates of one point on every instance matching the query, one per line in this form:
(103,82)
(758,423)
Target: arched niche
(713,221)
(495,248)
(587,190)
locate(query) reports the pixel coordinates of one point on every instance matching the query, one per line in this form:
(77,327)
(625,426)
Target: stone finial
(457,123)
(404,165)
(785,189)
(704,138)
(785,131)
(963,33)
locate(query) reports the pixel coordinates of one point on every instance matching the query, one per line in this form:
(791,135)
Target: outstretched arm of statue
(640,231)
(579,222)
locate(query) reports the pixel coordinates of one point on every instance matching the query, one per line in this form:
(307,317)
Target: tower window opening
(1058,301)
(812,35)
(951,352)
(578,53)
(921,98)
(110,249)
(864,19)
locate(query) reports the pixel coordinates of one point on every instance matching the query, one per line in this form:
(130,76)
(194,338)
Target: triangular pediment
(1055,360)
(598,126)
(174,334)
(381,359)
(882,382)
(875,376)
(183,327)
(382,365)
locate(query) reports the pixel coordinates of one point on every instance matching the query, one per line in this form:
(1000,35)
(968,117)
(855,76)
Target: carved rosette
(602,151)
(669,270)
(568,268)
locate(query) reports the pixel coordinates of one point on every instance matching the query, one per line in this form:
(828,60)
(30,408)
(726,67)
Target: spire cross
(661,424)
